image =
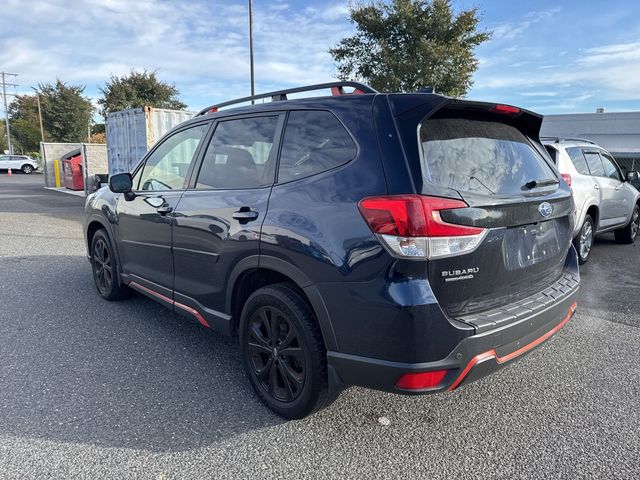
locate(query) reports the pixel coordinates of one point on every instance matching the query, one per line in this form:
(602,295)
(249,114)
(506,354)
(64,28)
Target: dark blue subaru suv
(410,243)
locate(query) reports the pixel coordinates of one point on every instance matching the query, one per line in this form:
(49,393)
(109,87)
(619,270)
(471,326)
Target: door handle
(164,209)
(618,187)
(245,214)
(596,186)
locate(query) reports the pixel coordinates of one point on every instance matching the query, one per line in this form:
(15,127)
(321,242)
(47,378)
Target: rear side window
(595,164)
(314,141)
(239,155)
(578,160)
(610,168)
(479,156)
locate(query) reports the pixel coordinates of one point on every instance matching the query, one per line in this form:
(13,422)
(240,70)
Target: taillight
(421,380)
(567,178)
(411,226)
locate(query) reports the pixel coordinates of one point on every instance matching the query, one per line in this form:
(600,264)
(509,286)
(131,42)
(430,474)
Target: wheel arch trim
(266,262)
(583,215)
(95,218)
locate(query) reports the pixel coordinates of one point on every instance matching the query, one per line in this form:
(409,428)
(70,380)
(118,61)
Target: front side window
(166,168)
(483,157)
(240,154)
(314,141)
(578,160)
(595,164)
(610,168)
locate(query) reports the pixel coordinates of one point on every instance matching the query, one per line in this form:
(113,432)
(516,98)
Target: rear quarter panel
(314,223)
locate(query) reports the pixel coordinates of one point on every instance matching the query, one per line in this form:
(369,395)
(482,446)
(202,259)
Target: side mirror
(121,183)
(632,176)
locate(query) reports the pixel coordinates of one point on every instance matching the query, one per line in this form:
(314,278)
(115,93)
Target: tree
(3,137)
(406,45)
(138,89)
(25,123)
(66,112)
(99,137)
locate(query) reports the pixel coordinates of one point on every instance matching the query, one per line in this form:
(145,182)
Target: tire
(28,169)
(584,241)
(293,356)
(629,232)
(106,272)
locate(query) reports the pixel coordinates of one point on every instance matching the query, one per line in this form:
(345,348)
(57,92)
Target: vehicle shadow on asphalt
(128,374)
(610,281)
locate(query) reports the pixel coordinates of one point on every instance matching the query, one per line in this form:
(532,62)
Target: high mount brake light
(567,178)
(411,226)
(505,109)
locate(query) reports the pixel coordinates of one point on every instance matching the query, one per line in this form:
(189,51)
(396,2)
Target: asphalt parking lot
(91,389)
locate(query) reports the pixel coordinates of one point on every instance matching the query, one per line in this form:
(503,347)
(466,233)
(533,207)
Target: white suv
(18,162)
(604,197)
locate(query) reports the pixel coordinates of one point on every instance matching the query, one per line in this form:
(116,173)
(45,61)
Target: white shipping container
(131,133)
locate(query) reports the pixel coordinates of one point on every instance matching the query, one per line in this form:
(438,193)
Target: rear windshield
(477,156)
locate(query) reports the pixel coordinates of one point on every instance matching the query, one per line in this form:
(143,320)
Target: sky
(549,56)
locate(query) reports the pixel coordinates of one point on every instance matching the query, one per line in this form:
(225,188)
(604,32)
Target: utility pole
(6,105)
(253,92)
(40,116)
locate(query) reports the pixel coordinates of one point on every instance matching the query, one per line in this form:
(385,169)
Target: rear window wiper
(540,183)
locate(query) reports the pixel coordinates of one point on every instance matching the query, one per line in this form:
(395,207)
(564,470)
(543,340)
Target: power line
(3,75)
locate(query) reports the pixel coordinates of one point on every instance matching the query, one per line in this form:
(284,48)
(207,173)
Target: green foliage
(3,137)
(98,138)
(66,112)
(138,89)
(406,45)
(25,125)
(25,136)
(98,128)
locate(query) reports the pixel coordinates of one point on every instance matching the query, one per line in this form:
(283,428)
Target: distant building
(618,132)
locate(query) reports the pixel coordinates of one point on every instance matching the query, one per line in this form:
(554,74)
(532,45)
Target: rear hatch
(489,157)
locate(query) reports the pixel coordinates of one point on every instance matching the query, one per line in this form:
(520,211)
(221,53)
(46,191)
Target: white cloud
(512,30)
(546,60)
(614,68)
(539,94)
(202,46)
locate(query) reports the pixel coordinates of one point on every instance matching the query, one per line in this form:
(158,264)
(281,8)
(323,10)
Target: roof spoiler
(423,106)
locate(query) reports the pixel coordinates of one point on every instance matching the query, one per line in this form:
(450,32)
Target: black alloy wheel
(105,268)
(102,266)
(276,354)
(283,352)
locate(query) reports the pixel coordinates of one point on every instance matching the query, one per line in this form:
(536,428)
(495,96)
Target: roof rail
(568,139)
(337,88)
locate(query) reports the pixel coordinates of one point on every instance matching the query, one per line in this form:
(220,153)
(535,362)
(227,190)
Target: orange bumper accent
(488,355)
(181,306)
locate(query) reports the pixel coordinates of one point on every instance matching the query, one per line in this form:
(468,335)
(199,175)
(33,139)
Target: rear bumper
(474,357)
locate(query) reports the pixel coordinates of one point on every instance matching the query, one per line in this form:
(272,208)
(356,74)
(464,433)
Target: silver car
(604,197)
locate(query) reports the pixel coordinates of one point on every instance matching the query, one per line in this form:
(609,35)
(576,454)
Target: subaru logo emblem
(545,209)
